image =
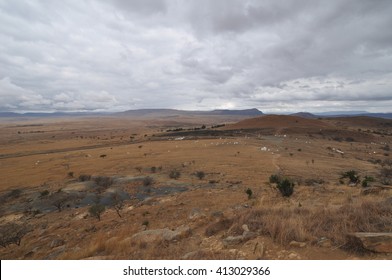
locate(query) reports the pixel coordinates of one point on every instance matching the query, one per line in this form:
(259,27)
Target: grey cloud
(115,55)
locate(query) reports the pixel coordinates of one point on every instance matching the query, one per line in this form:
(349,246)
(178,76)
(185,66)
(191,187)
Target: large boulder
(380,242)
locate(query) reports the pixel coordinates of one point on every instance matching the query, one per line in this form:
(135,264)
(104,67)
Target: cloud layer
(273,55)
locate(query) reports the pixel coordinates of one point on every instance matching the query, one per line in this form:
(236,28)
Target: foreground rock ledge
(380,242)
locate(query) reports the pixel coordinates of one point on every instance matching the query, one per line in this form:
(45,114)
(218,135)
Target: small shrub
(14,194)
(352,175)
(386,176)
(103,181)
(70,174)
(386,148)
(249,193)
(148,181)
(102,156)
(84,177)
(274,179)
(145,223)
(96,210)
(286,187)
(174,174)
(153,169)
(200,175)
(44,193)
(314,182)
(366,181)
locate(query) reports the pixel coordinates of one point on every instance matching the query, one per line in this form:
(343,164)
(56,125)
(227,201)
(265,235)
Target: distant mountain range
(171,112)
(342,114)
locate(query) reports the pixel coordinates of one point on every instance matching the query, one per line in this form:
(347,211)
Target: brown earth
(42,160)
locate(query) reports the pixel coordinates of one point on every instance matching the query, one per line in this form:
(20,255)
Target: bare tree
(118,203)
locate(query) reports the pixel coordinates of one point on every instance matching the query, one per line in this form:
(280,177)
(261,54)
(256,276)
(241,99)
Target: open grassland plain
(271,187)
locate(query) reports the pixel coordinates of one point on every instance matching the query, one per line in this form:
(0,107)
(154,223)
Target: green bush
(366,181)
(274,179)
(352,175)
(286,187)
(249,193)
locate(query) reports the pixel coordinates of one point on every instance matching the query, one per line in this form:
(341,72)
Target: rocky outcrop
(380,242)
(158,235)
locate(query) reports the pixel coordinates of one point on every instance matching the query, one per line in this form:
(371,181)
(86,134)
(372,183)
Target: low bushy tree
(286,187)
(96,210)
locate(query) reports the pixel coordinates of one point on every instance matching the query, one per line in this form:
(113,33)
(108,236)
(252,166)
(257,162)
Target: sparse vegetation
(200,175)
(146,223)
(58,199)
(84,177)
(274,179)
(118,203)
(148,181)
(285,224)
(286,187)
(352,176)
(386,176)
(103,181)
(249,192)
(174,174)
(366,181)
(44,193)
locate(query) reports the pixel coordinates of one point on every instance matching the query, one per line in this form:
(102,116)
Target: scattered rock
(217,214)
(190,255)
(157,235)
(212,243)
(196,214)
(324,242)
(294,256)
(255,248)
(245,227)
(57,243)
(58,251)
(31,253)
(233,240)
(380,242)
(297,244)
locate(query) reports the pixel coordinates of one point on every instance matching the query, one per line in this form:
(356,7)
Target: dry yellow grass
(214,207)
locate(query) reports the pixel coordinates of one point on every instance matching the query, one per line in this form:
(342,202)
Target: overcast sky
(273,55)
